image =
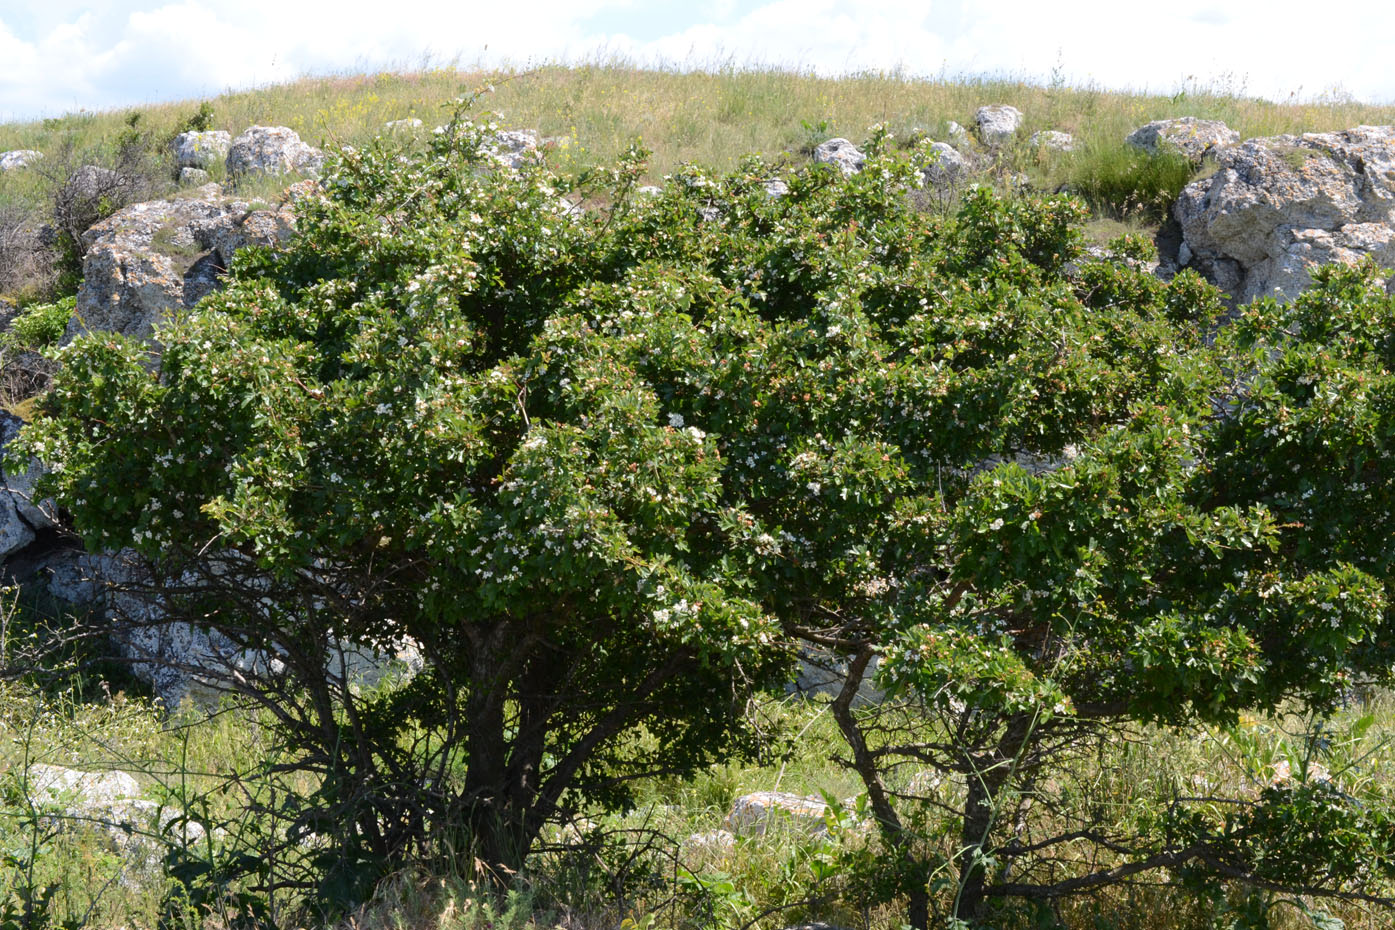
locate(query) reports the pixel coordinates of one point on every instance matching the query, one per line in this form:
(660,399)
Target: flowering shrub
(607,468)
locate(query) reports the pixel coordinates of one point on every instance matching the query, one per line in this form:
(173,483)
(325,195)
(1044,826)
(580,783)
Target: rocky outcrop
(272,150)
(22,518)
(1194,138)
(958,136)
(757,813)
(947,168)
(514,148)
(91,182)
(193,177)
(181,661)
(148,261)
(1279,206)
(259,228)
(1052,140)
(109,804)
(18,158)
(201,149)
(998,124)
(841,153)
(154,259)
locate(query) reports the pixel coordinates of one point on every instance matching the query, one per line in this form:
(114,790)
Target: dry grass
(709,117)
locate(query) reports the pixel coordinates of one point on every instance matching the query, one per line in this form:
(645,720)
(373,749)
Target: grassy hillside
(593,113)
(711,119)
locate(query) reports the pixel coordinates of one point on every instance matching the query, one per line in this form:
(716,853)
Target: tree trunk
(888,823)
(987,776)
(973,842)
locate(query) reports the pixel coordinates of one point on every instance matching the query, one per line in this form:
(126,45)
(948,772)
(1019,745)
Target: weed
(1123,182)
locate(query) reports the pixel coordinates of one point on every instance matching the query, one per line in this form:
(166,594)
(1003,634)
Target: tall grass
(712,117)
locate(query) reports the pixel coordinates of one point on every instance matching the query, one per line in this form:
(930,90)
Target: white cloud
(66,55)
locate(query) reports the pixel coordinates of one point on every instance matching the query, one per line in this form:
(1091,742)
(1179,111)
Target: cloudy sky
(57,55)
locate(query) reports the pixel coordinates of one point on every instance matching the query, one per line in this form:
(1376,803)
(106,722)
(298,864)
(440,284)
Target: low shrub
(39,326)
(1126,183)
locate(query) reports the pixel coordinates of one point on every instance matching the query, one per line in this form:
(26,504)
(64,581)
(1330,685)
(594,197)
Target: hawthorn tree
(611,470)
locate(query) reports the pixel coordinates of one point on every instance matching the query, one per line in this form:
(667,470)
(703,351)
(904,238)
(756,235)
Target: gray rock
(21,517)
(776,188)
(714,843)
(259,228)
(1052,140)
(755,814)
(1194,138)
(514,148)
(182,662)
(824,673)
(97,789)
(998,123)
(958,136)
(192,177)
(842,153)
(201,149)
(1279,206)
(109,804)
(403,125)
(143,263)
(15,533)
(19,158)
(20,487)
(91,182)
(272,150)
(947,168)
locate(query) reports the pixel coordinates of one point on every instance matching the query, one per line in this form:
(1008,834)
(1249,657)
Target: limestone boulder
(15,532)
(109,804)
(758,813)
(998,124)
(19,158)
(90,182)
(1277,207)
(947,168)
(514,148)
(957,136)
(841,153)
(201,149)
(1194,138)
(95,789)
(713,846)
(273,150)
(1052,140)
(258,228)
(22,518)
(193,177)
(184,662)
(149,261)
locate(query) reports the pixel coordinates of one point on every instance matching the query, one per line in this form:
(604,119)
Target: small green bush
(39,326)
(1124,182)
(201,120)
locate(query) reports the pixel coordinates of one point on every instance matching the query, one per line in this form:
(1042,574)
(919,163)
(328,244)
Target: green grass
(632,865)
(39,326)
(711,118)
